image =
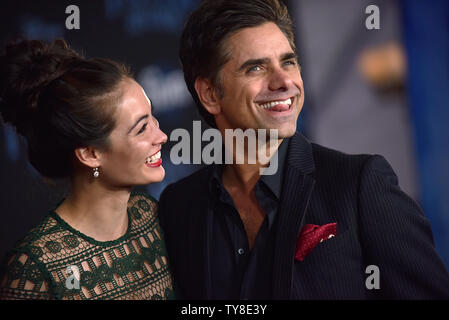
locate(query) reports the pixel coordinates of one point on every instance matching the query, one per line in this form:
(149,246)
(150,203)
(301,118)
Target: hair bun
(26,67)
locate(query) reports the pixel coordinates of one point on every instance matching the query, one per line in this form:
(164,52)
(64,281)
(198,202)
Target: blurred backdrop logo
(167,89)
(142,15)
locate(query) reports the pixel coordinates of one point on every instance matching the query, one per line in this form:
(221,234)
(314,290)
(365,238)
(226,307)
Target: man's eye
(290,62)
(142,129)
(255,68)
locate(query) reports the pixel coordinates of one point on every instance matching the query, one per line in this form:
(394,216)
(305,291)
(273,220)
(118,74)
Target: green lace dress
(54,261)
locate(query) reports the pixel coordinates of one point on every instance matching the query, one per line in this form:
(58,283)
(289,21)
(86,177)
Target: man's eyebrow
(253,62)
(289,56)
(137,122)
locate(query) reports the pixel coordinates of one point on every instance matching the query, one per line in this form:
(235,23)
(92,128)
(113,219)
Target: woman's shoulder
(142,201)
(43,243)
(138,195)
(33,239)
(23,274)
(142,207)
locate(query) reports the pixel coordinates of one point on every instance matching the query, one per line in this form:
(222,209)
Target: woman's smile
(155,160)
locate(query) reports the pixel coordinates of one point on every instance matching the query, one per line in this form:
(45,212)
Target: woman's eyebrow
(137,122)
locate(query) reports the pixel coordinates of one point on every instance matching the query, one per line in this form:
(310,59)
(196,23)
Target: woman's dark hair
(202,51)
(58,100)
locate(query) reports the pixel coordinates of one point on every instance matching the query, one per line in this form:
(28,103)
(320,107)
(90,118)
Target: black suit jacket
(377,224)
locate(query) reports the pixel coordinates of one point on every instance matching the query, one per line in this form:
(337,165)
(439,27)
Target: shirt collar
(273,182)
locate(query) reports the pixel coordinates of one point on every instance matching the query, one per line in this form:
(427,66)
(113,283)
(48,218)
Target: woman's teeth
(154,158)
(273,103)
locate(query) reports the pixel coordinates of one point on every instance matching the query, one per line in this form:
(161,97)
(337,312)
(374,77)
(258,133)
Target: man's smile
(282,105)
(278,107)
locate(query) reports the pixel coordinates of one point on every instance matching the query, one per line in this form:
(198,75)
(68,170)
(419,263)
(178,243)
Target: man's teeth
(153,158)
(273,103)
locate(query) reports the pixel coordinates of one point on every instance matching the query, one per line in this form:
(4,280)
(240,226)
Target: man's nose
(279,79)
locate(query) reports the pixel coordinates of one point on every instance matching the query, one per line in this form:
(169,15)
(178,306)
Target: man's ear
(207,95)
(88,156)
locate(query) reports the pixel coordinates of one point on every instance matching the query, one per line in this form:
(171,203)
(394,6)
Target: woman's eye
(142,129)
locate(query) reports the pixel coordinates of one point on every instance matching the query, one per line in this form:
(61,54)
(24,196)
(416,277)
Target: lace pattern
(132,267)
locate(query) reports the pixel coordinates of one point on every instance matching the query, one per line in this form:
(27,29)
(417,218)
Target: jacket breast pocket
(332,270)
(336,246)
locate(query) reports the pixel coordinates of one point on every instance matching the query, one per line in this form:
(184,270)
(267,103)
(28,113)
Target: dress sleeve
(22,278)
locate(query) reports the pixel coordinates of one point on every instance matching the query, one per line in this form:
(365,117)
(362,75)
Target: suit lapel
(297,188)
(208,250)
(200,233)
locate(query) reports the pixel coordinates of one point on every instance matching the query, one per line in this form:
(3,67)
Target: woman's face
(134,155)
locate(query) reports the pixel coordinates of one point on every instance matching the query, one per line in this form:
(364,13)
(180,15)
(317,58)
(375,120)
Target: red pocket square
(311,235)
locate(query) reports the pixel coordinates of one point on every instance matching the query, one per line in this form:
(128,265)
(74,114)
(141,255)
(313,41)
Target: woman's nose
(162,137)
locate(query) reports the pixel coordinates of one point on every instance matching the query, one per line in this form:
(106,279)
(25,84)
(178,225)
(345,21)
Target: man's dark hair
(202,50)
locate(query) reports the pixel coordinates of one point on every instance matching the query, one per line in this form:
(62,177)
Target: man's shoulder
(195,184)
(328,158)
(331,164)
(309,156)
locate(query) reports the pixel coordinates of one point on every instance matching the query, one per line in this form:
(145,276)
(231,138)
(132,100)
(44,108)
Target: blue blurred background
(383,91)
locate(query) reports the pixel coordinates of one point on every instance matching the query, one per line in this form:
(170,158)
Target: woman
(89,121)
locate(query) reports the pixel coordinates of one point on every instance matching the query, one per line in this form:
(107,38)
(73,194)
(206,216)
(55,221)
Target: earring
(96,172)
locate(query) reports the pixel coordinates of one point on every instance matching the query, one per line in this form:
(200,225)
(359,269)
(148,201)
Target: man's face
(261,82)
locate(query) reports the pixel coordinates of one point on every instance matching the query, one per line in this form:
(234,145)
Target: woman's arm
(23,279)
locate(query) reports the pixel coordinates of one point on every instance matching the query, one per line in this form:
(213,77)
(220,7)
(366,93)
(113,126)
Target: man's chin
(286,132)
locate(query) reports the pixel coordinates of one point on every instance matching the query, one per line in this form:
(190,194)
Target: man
(312,229)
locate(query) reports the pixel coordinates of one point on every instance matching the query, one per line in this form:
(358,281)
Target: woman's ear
(88,156)
(207,94)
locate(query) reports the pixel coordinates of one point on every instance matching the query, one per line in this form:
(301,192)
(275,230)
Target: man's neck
(244,177)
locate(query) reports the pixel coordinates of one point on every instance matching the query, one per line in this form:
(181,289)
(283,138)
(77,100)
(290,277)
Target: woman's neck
(96,211)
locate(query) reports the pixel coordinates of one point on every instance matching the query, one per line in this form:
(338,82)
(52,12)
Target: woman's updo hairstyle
(58,100)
